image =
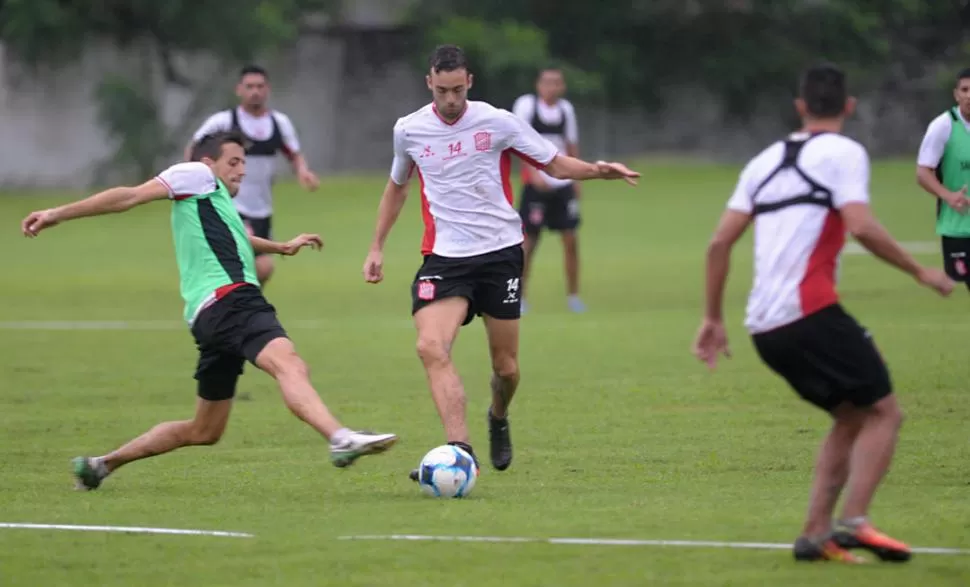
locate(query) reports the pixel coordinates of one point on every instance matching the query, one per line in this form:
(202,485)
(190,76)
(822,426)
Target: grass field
(619,433)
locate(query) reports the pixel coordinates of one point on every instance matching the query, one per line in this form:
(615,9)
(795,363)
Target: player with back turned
(801,195)
(472,247)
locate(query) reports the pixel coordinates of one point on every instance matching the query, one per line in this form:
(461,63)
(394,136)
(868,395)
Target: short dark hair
(549,69)
(252,69)
(824,90)
(211,144)
(448,58)
(964,74)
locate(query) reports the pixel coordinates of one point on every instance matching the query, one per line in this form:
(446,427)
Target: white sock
(341,436)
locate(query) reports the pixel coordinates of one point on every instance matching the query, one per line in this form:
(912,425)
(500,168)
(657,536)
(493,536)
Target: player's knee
(202,434)
(433,351)
(506,366)
(888,410)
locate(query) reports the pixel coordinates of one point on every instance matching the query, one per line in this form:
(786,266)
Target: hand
(304,240)
(308,179)
(936,279)
(374,267)
(711,341)
(38,221)
(617,171)
(958,200)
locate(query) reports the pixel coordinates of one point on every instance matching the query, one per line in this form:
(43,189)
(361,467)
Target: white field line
(613,542)
(125,530)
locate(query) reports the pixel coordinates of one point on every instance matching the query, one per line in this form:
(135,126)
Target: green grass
(619,432)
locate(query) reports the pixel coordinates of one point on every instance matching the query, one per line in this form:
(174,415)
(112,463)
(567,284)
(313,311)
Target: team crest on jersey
(960,266)
(483,141)
(425,290)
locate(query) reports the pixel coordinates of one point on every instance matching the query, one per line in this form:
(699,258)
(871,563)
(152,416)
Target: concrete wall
(344,93)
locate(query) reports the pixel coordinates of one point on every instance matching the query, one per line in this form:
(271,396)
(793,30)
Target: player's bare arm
(871,234)
(392,202)
(712,337)
(111,201)
(308,179)
(288,248)
(566,167)
(927,179)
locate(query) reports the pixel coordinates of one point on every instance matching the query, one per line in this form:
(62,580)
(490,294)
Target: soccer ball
(447,471)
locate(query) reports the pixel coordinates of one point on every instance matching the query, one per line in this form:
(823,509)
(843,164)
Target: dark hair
(211,145)
(252,69)
(824,90)
(550,68)
(964,74)
(448,58)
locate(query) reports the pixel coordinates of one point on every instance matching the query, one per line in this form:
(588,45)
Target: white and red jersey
(465,171)
(794,189)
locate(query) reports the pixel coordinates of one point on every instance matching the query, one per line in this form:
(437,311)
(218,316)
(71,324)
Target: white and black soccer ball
(447,471)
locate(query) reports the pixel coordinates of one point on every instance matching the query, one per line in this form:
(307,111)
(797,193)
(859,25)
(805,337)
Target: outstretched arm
(262,245)
(566,167)
(111,201)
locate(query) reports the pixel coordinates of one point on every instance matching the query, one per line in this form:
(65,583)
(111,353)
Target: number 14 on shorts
(512,291)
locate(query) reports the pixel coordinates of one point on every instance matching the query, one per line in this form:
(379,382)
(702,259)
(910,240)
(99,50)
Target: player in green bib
(230,319)
(943,170)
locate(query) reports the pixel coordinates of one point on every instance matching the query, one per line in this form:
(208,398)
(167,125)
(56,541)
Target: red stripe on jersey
(427,243)
(505,171)
(177,197)
(529,160)
(226,289)
(817,289)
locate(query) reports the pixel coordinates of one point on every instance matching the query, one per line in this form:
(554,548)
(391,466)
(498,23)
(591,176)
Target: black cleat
(499,442)
(805,550)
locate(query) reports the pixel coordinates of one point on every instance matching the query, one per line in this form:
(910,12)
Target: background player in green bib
(229,317)
(943,170)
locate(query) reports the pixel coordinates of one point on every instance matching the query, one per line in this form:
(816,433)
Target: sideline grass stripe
(615,542)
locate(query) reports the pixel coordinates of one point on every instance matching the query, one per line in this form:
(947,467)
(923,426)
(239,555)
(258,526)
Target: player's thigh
(441,280)
(437,325)
(498,282)
(956,257)
(562,212)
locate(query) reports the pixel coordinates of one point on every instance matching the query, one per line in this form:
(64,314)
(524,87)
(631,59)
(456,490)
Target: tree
(741,50)
(57,32)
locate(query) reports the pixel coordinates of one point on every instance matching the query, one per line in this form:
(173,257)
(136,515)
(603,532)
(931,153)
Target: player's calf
(279,359)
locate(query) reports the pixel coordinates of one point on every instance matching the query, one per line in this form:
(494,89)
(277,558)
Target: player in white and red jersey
(461,151)
(802,194)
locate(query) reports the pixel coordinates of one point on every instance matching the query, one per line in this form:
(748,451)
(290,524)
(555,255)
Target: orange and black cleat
(806,550)
(865,536)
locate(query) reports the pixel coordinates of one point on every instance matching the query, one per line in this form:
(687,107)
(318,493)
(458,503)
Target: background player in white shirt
(472,247)
(547,201)
(270,132)
(802,194)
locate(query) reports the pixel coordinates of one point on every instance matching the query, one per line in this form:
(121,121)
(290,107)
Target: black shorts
(556,210)
(490,282)
(228,333)
(260,227)
(956,257)
(828,359)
